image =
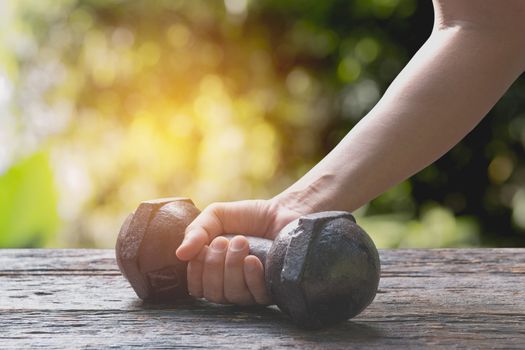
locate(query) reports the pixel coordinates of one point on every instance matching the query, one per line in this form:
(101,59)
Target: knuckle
(190,228)
(215,207)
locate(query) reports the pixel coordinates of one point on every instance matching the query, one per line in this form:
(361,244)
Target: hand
(220,270)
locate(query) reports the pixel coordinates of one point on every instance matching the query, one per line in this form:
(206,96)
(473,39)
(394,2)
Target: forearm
(444,91)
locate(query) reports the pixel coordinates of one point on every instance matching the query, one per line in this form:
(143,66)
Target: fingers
(254,278)
(194,274)
(213,272)
(225,273)
(252,217)
(235,289)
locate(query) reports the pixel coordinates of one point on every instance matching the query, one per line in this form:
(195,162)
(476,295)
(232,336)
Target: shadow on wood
(268,320)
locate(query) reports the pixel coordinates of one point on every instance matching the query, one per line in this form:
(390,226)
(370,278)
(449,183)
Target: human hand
(222,271)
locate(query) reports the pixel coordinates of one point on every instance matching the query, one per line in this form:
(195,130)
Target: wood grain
(447,298)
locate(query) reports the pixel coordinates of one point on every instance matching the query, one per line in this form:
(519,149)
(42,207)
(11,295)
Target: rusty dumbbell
(321,269)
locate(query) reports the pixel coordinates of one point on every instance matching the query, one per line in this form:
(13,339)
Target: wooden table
(464,298)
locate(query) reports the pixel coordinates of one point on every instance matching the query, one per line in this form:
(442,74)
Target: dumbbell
(321,269)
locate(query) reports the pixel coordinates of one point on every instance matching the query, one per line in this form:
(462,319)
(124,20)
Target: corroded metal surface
(323,269)
(320,270)
(146,244)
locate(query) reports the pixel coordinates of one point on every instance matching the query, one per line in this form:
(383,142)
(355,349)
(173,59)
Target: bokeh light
(106,104)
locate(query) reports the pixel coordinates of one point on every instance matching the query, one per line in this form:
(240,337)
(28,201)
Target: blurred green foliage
(225,100)
(28,203)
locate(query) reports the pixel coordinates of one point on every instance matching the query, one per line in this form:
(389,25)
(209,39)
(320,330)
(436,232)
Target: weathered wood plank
(58,261)
(439,298)
(499,293)
(407,262)
(200,328)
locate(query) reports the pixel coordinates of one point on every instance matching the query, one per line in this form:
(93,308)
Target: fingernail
(237,244)
(219,245)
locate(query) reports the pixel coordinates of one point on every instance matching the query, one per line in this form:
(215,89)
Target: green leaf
(28,203)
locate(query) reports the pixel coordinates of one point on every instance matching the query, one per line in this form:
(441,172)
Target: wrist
(307,197)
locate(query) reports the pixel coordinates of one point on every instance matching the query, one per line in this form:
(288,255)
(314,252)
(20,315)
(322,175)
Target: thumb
(249,217)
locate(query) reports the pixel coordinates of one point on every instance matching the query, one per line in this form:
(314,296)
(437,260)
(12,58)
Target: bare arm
(476,50)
